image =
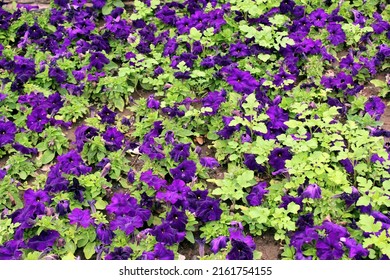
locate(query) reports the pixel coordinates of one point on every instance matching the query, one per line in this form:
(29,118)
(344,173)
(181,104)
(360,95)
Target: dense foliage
(131,134)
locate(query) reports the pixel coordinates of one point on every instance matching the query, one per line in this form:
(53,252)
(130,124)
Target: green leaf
(363,201)
(190,237)
(367,224)
(195,34)
(89,250)
(107,9)
(100,204)
(378,83)
(47,157)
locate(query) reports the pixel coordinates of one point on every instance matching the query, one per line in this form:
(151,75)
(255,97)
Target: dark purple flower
(62,207)
(213,100)
(98,4)
(255,198)
(168,235)
(7,132)
(278,156)
(104,234)
(174,192)
(114,138)
(240,251)
(159,253)
(180,152)
(351,198)
(44,240)
(277,117)
(318,17)
(152,180)
(208,210)
(177,219)
(336,33)
(80,217)
(329,249)
(119,253)
(84,133)
(218,243)
(347,165)
(242,81)
(10,250)
(131,176)
(305,236)
(356,250)
(37,119)
(375,107)
(121,204)
(126,223)
(239,50)
(32,197)
(209,162)
(98,60)
(107,116)
(312,191)
(184,171)
(170,47)
(58,74)
(228,130)
(250,162)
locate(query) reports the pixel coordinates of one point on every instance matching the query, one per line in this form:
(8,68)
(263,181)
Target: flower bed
(130,135)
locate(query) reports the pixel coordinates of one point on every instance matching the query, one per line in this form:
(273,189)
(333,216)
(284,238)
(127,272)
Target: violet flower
(80,217)
(7,132)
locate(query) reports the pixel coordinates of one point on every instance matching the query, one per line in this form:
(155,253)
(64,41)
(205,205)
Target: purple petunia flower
(7,132)
(278,156)
(312,191)
(218,243)
(62,207)
(242,81)
(239,50)
(209,162)
(80,217)
(228,130)
(329,249)
(208,210)
(126,223)
(180,152)
(84,133)
(104,234)
(98,60)
(114,138)
(152,180)
(240,251)
(121,204)
(318,17)
(213,100)
(255,198)
(375,107)
(177,219)
(174,192)
(32,197)
(168,235)
(37,119)
(159,253)
(119,253)
(250,162)
(10,250)
(336,33)
(356,250)
(277,117)
(58,74)
(184,171)
(44,240)
(107,116)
